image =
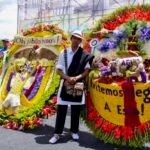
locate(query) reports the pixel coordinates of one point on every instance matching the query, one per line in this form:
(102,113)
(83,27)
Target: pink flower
(45,111)
(54,99)
(15,125)
(9,125)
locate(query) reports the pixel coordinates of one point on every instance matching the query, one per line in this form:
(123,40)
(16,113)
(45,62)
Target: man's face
(6,44)
(75,40)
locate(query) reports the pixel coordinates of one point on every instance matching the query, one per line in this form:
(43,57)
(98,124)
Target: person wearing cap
(5,48)
(3,53)
(6,45)
(78,65)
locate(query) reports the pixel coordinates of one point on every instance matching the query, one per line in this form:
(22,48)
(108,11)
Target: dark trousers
(61,117)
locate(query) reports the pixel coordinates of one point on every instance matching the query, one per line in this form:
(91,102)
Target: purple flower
(9,81)
(119,35)
(37,84)
(105,70)
(144,33)
(107,44)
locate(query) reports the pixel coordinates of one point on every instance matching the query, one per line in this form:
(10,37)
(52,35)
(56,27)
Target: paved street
(37,139)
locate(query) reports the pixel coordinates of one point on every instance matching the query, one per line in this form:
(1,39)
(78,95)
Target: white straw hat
(5,40)
(77,33)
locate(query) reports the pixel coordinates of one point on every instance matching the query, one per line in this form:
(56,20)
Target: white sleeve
(4,57)
(60,63)
(87,66)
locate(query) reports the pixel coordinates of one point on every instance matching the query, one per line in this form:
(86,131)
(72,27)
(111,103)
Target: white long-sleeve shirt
(61,65)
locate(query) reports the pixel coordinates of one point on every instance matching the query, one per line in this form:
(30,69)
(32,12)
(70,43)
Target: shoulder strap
(65,59)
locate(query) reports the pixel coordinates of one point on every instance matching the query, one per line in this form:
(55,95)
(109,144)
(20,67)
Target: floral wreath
(45,104)
(111,133)
(117,18)
(103,129)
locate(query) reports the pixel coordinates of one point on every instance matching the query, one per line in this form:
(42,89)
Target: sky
(8,18)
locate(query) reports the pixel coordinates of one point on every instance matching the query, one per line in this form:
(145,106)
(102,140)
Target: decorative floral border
(45,105)
(30,117)
(117,18)
(40,30)
(103,129)
(54,29)
(111,133)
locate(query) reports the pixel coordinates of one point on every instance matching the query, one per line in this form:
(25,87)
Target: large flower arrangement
(41,30)
(43,91)
(121,16)
(111,133)
(115,20)
(103,129)
(30,117)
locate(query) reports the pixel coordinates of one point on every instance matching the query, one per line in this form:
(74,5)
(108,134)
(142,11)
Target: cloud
(5,3)
(8,18)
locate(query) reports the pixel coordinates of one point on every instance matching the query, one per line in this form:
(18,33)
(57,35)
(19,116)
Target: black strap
(75,63)
(65,59)
(78,63)
(73,68)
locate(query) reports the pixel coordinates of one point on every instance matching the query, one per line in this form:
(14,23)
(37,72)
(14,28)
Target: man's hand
(71,80)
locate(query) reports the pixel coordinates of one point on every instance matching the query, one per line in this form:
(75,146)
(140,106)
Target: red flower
(117,133)
(146,16)
(9,125)
(89,103)
(90,109)
(142,128)
(37,121)
(36,47)
(15,125)
(111,25)
(121,19)
(46,28)
(107,127)
(98,122)
(25,33)
(1,55)
(92,115)
(26,124)
(39,27)
(45,111)
(33,30)
(87,46)
(127,133)
(54,99)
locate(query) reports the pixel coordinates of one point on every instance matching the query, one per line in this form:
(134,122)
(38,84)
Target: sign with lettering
(120,103)
(128,61)
(45,40)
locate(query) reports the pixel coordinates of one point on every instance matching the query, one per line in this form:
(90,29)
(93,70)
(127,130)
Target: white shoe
(54,139)
(75,136)
(147,145)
